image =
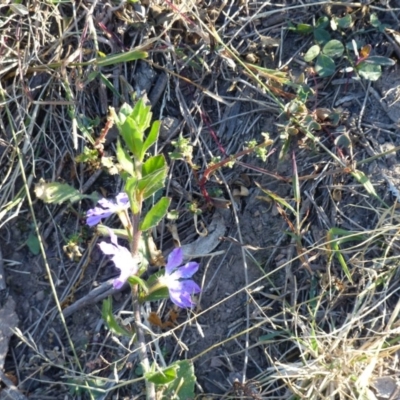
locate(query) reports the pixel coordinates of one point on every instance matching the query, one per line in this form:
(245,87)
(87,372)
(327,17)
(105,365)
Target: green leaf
(153,136)
(163,377)
(154,173)
(380,60)
(364,180)
(125,159)
(153,164)
(304,29)
(372,72)
(183,386)
(277,198)
(115,58)
(345,22)
(334,48)
(324,66)
(321,36)
(322,23)
(132,135)
(156,214)
(312,53)
(142,114)
(57,193)
(131,188)
(135,280)
(110,321)
(33,244)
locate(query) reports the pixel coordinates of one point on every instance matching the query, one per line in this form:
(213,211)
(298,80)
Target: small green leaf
(156,214)
(57,193)
(125,159)
(345,22)
(364,180)
(33,244)
(379,60)
(334,48)
(131,190)
(183,386)
(135,280)
(322,23)
(321,36)
(324,66)
(142,115)
(343,141)
(277,198)
(163,377)
(304,29)
(372,72)
(153,136)
(154,173)
(132,135)
(312,53)
(110,321)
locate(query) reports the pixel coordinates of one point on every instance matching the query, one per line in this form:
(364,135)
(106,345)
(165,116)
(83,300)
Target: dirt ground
(252,264)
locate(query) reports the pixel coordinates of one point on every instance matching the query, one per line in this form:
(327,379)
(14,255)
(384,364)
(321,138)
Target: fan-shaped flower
(122,259)
(176,279)
(108,207)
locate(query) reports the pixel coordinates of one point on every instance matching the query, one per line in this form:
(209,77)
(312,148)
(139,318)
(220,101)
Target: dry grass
(323,332)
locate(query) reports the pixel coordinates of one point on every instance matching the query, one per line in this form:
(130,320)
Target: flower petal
(175,259)
(190,287)
(107,204)
(186,271)
(122,199)
(107,248)
(180,299)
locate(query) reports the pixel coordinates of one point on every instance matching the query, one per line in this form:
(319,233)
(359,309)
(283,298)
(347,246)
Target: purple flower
(176,279)
(95,215)
(122,259)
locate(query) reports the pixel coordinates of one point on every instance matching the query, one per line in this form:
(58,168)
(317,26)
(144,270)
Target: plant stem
(141,343)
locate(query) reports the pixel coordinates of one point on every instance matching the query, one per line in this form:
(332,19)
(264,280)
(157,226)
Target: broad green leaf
(33,244)
(153,164)
(152,136)
(154,173)
(110,321)
(155,293)
(324,66)
(322,23)
(132,135)
(379,60)
(57,193)
(131,188)
(125,159)
(312,53)
(156,214)
(345,22)
(163,377)
(333,48)
(343,141)
(372,72)
(321,36)
(183,386)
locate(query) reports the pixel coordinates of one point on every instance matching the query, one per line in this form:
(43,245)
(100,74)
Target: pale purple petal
(107,248)
(108,207)
(122,199)
(186,271)
(175,259)
(180,299)
(122,259)
(190,287)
